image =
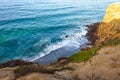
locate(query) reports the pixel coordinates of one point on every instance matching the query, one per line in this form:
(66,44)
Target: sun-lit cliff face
(95,63)
(112,12)
(109,29)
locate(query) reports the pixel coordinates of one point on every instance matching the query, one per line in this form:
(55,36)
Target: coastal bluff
(107,30)
(112,12)
(100,62)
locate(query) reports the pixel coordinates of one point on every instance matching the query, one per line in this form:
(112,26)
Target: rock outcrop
(110,28)
(112,12)
(107,30)
(104,65)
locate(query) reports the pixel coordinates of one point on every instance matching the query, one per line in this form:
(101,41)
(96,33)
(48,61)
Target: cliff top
(100,62)
(112,12)
(108,29)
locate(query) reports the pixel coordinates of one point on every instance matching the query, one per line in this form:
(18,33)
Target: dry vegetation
(14,63)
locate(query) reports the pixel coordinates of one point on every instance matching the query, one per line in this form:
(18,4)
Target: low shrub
(26,69)
(111,43)
(83,55)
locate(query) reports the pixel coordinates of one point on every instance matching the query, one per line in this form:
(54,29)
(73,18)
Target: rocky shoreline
(100,62)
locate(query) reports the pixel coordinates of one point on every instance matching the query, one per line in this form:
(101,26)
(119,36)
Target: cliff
(101,62)
(109,29)
(112,12)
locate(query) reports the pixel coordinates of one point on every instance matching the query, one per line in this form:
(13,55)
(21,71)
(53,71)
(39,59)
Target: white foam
(76,40)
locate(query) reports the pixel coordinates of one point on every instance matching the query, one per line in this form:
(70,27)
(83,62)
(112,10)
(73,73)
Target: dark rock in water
(9,43)
(53,56)
(66,36)
(82,35)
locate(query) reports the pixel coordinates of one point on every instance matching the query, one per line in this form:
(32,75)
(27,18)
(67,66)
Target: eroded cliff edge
(101,62)
(107,30)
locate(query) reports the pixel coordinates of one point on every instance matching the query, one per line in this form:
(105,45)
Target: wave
(49,10)
(68,46)
(57,9)
(3,22)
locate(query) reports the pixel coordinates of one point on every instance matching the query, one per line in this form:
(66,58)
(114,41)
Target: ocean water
(30,29)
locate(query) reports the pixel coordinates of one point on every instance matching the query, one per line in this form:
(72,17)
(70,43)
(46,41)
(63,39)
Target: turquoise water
(30,29)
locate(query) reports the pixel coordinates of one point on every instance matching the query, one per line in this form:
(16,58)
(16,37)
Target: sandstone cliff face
(108,31)
(112,12)
(110,28)
(105,65)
